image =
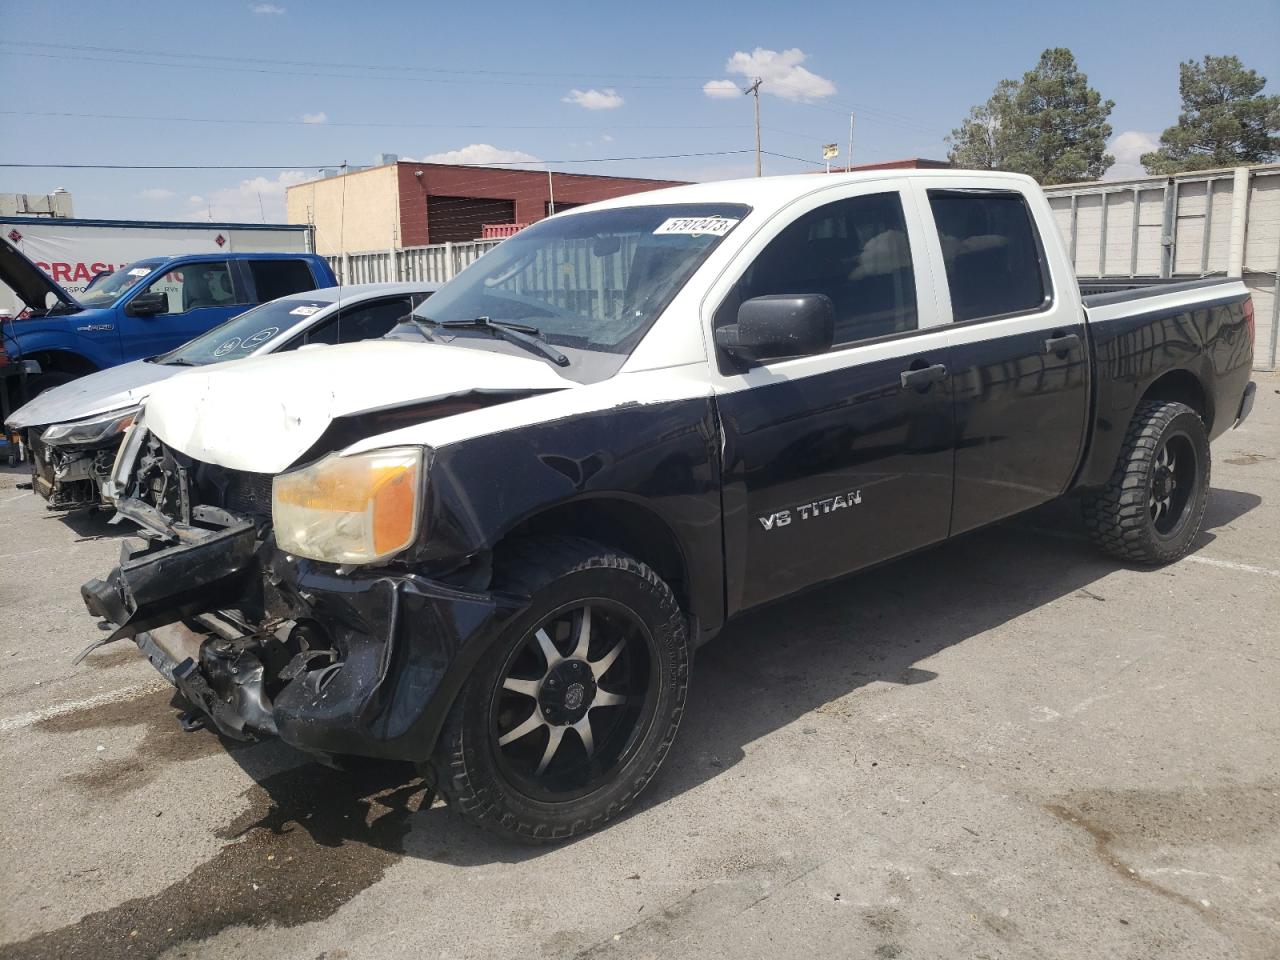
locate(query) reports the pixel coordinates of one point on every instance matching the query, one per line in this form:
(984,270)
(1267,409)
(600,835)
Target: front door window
(195,285)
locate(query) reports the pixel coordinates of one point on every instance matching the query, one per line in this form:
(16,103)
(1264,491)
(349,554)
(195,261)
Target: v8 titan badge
(811,510)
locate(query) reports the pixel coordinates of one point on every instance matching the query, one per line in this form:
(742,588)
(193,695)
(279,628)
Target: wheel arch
(1182,386)
(62,361)
(623,523)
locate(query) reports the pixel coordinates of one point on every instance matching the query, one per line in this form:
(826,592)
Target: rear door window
(992,253)
(279,278)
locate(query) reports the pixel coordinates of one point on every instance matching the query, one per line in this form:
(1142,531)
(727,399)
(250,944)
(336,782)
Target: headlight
(90,431)
(357,509)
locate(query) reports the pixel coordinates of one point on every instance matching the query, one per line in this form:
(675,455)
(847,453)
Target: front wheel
(1152,507)
(575,706)
(47,381)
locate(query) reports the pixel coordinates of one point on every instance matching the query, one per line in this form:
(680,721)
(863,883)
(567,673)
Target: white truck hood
(112,389)
(262,413)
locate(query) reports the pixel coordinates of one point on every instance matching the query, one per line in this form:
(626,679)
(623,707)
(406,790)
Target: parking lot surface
(1008,746)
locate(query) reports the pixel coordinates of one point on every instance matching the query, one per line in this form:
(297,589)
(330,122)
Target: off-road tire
(1118,517)
(552,571)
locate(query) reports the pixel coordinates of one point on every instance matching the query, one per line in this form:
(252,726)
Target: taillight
(1249,321)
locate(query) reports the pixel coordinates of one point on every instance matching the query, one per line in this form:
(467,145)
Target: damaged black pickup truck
(490,541)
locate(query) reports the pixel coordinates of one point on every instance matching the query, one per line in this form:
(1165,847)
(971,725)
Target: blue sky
(554,81)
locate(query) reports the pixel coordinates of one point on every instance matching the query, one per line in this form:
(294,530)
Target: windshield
(106,288)
(243,334)
(591,281)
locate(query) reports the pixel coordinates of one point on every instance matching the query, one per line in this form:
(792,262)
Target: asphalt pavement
(1008,746)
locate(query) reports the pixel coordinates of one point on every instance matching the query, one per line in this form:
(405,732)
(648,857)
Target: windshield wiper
(521,333)
(179,362)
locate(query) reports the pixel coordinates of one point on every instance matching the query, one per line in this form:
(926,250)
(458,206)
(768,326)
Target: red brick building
(407,204)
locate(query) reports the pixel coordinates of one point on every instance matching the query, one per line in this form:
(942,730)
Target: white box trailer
(72,251)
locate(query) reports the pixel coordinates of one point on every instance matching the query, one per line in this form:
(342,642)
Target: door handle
(1062,345)
(923,377)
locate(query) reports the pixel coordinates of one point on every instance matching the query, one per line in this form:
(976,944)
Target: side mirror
(148,304)
(778,326)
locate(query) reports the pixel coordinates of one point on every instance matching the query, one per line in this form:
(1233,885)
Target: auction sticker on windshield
(696,226)
(304,311)
(262,336)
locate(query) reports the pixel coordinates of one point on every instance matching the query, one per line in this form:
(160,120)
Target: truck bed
(1102,291)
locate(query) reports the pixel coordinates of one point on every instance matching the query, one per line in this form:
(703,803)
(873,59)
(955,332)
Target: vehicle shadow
(94,523)
(766,670)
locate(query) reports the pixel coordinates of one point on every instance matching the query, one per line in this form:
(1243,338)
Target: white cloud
(606,138)
(320,117)
(606,99)
(156,193)
(721,88)
(481,153)
(781,72)
(250,201)
(1127,148)
(270,9)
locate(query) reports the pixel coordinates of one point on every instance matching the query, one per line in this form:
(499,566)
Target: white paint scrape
(1229,565)
(22,720)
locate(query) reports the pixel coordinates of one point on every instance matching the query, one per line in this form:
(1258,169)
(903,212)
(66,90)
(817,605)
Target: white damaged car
(73,431)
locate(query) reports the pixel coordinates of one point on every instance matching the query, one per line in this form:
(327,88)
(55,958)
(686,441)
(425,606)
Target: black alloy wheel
(1151,509)
(573,708)
(573,699)
(1173,484)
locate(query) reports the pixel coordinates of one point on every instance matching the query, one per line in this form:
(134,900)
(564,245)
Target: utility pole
(755,89)
(551,194)
(849,160)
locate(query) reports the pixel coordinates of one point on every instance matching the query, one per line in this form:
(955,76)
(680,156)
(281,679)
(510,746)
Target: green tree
(1050,124)
(981,142)
(1225,120)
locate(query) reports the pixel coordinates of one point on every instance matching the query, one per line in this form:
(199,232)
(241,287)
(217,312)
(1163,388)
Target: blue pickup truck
(140,310)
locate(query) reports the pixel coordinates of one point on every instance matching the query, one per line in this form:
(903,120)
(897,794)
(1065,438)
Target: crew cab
(73,431)
(139,310)
(490,542)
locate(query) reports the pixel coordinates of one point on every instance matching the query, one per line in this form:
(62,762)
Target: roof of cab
(773,193)
(230,255)
(360,291)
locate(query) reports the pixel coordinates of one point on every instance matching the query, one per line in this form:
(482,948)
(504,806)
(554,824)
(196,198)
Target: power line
(387,75)
(304,166)
(399,72)
(356,66)
(382,124)
(787,156)
(165,166)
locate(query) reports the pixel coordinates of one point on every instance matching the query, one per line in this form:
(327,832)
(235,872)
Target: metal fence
(434,263)
(1202,224)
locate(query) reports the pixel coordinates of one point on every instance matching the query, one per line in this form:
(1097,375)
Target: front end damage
(70,477)
(266,644)
(71,462)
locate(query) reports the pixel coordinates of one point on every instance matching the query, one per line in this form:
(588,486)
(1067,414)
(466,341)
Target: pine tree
(1050,124)
(981,142)
(1225,120)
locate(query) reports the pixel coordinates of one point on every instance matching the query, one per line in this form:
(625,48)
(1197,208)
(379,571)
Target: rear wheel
(574,709)
(1151,509)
